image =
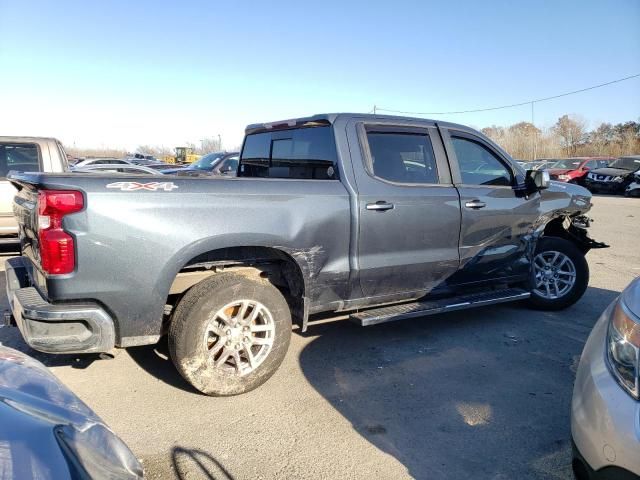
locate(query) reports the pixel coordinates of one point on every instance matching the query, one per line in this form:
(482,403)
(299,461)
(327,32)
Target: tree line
(568,137)
(206,145)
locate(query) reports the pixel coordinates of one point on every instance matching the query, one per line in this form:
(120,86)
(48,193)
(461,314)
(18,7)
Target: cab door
(498,220)
(408,209)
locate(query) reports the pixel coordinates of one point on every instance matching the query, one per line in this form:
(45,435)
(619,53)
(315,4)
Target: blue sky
(123,73)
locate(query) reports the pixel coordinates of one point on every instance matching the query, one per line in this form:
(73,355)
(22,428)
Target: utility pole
(219,142)
(535,140)
(374,109)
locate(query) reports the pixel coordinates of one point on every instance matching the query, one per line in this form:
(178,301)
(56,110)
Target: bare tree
(157,151)
(210,144)
(572,132)
(96,152)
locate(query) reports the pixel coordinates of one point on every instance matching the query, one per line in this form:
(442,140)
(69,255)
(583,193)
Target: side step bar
(430,307)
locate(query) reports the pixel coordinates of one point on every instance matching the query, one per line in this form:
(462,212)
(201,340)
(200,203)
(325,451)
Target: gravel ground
(473,394)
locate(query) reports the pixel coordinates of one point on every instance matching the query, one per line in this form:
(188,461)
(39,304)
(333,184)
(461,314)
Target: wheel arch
(288,271)
(573,229)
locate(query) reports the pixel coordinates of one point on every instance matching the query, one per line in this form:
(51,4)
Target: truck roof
(18,138)
(330,118)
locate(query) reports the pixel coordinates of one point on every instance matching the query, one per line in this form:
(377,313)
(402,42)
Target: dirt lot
(476,394)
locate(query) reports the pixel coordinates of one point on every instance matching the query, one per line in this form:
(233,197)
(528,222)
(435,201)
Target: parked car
(48,433)
(141,159)
(383,217)
(159,166)
(538,164)
(574,170)
(36,154)
(605,410)
(633,189)
(117,168)
(616,177)
(101,161)
(217,163)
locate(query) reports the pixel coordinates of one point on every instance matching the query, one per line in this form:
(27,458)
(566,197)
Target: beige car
(26,154)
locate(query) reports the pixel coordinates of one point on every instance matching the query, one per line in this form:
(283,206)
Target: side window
(402,157)
(22,157)
(229,165)
(308,153)
(478,165)
(591,164)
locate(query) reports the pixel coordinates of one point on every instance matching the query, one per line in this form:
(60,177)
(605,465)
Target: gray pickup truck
(383,217)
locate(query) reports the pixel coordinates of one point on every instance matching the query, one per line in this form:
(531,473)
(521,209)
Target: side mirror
(538,179)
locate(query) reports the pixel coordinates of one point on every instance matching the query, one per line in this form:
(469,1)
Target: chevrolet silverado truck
(37,154)
(382,217)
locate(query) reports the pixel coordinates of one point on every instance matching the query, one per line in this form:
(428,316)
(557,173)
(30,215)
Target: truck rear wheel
(560,274)
(229,334)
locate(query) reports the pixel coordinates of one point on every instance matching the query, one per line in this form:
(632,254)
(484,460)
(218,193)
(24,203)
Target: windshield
(566,163)
(206,162)
(632,164)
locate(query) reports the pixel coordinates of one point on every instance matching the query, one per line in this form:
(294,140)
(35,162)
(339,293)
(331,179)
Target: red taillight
(57,249)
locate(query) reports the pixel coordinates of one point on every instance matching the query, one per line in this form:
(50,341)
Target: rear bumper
(55,328)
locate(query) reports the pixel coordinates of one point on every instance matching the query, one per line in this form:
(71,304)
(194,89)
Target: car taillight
(57,249)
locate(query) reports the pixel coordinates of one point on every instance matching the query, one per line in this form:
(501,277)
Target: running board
(430,307)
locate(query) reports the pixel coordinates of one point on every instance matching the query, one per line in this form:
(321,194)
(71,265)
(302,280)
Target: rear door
(408,209)
(497,218)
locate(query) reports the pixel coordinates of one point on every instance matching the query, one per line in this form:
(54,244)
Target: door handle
(380,206)
(475,204)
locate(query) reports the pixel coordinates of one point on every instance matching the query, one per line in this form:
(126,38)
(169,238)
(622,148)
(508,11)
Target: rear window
(308,153)
(22,157)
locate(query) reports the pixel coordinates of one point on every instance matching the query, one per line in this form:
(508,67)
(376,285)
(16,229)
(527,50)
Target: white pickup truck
(26,154)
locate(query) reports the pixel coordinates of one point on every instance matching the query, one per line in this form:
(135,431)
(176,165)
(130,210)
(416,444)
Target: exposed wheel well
(264,262)
(559,227)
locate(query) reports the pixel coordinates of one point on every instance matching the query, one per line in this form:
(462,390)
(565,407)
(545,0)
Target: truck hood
(613,172)
(564,199)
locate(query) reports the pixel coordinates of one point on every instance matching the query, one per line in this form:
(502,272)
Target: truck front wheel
(229,334)
(560,274)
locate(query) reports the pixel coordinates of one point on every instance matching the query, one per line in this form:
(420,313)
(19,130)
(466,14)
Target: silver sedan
(605,410)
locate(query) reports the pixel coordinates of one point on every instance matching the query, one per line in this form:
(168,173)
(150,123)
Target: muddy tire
(560,274)
(229,334)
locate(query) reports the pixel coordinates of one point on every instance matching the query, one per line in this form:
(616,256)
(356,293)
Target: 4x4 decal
(153,186)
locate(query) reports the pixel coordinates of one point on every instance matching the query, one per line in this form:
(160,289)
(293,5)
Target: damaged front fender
(574,228)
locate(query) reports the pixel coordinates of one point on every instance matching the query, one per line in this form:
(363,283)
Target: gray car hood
(614,172)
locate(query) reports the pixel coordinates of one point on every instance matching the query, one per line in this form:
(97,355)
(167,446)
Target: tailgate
(25,210)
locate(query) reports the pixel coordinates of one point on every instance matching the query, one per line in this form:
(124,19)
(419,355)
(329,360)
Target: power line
(529,102)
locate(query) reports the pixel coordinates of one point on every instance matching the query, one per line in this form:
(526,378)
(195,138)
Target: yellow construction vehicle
(183,155)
